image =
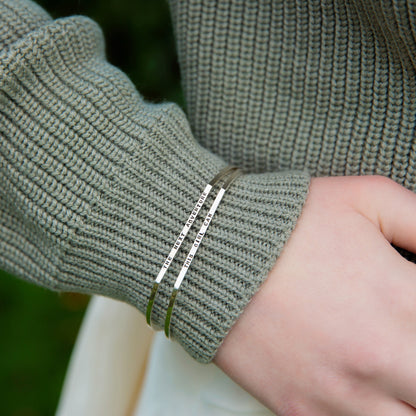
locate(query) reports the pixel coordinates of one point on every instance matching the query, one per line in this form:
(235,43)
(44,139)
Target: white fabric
(103,377)
(175,384)
(107,362)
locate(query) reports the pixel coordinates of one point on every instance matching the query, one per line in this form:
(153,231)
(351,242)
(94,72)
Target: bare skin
(332,331)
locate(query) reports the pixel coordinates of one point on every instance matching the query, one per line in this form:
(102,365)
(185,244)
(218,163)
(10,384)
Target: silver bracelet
(224,172)
(195,246)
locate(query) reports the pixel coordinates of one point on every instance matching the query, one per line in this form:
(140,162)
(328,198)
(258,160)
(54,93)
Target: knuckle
(369,360)
(396,295)
(401,300)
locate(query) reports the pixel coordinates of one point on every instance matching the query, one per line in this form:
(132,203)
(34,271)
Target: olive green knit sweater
(95,183)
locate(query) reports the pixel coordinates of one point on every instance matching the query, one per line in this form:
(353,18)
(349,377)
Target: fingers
(401,380)
(396,208)
(374,405)
(398,375)
(391,407)
(381,405)
(404,387)
(391,207)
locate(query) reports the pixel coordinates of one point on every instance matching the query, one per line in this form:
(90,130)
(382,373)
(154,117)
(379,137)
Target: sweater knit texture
(96,183)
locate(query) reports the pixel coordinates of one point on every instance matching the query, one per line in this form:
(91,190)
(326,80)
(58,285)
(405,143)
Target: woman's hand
(332,331)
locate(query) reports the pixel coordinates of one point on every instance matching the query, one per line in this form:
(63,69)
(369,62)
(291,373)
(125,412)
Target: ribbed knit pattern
(95,183)
(326,85)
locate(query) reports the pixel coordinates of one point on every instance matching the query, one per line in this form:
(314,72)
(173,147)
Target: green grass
(38,327)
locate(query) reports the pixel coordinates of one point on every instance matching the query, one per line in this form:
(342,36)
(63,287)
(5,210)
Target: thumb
(391,207)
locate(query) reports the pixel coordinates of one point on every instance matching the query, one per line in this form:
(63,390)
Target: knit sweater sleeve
(96,184)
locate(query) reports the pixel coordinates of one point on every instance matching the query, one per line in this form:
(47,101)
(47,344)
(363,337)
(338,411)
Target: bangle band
(195,246)
(182,236)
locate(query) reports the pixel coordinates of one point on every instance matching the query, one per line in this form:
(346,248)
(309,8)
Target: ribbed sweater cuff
(96,184)
(133,226)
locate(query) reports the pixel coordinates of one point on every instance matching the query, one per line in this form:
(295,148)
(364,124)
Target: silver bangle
(224,172)
(195,246)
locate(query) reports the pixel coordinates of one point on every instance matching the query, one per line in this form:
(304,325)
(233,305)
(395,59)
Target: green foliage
(139,40)
(38,330)
(38,327)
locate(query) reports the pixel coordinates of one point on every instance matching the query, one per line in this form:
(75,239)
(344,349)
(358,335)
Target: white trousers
(118,368)
(175,384)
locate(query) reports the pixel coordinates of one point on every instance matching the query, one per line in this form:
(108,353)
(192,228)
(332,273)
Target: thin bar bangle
(195,246)
(182,236)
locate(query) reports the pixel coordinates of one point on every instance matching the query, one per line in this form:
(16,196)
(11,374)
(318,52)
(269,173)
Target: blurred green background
(39,327)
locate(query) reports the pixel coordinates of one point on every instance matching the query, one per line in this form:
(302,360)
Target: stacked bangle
(182,236)
(196,245)
(233,173)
